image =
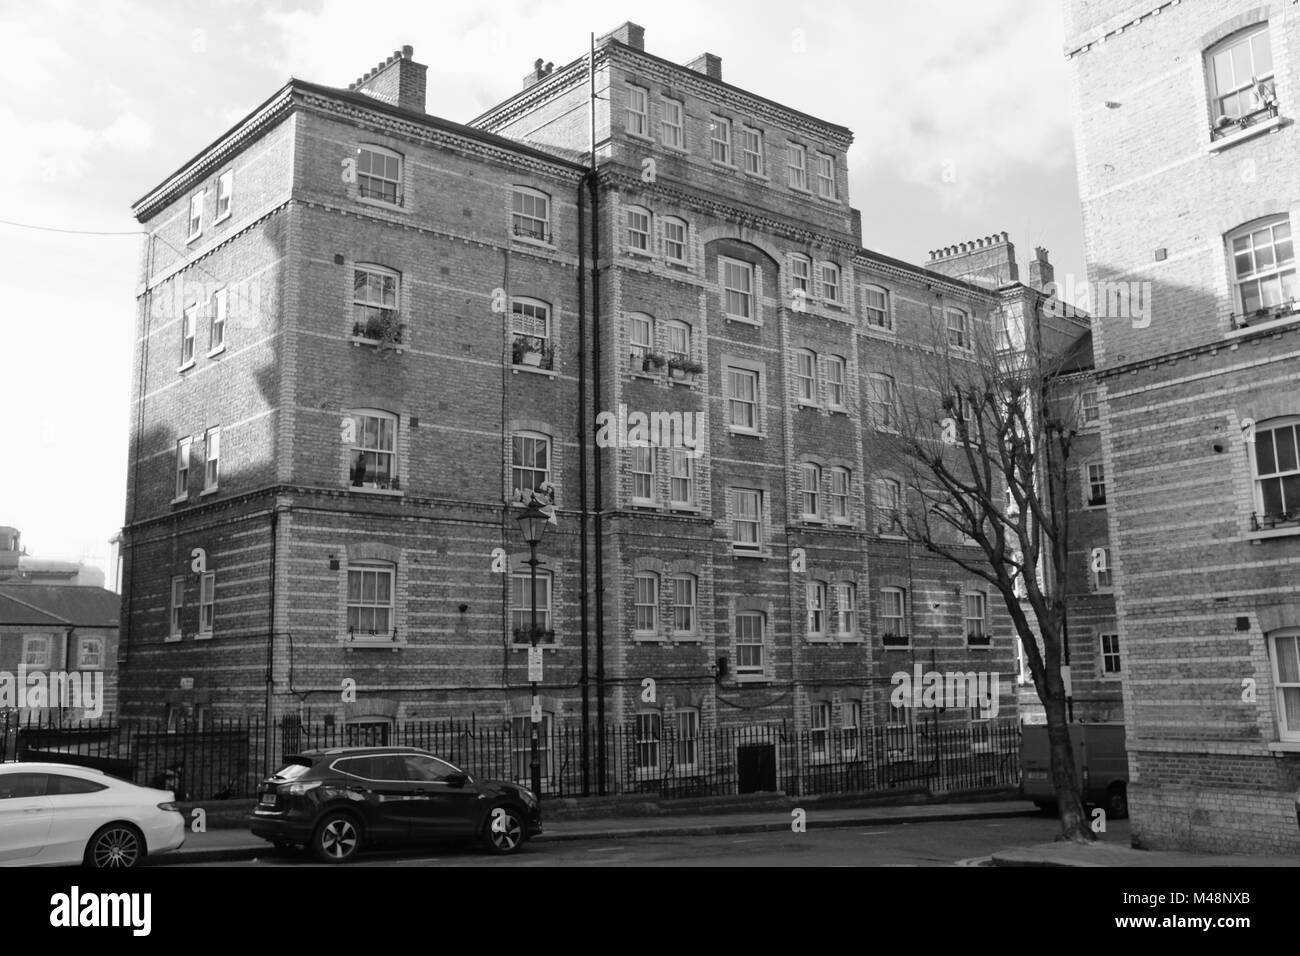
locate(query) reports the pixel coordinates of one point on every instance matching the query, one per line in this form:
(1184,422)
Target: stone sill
(1215,145)
(1255,537)
(385,492)
(533,370)
(1285,746)
(1267,326)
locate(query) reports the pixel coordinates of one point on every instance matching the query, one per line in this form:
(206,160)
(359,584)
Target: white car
(54,814)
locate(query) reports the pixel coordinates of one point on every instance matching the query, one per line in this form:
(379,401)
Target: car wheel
(1117,802)
(504,830)
(116,845)
(337,838)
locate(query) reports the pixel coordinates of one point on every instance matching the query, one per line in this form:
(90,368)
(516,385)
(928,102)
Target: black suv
(335,801)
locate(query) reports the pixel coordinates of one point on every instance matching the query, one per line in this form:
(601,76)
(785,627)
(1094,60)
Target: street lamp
(533,525)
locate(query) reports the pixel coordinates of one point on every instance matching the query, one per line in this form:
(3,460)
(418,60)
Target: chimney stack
(707,63)
(398,81)
(989,261)
(629,34)
(1041,272)
(539,72)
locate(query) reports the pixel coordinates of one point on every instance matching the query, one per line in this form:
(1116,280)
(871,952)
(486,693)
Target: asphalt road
(942,843)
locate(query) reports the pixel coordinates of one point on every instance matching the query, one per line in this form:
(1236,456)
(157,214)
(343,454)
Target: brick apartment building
(360,332)
(1190,186)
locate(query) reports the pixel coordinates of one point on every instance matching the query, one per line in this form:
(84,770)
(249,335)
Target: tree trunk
(1069,802)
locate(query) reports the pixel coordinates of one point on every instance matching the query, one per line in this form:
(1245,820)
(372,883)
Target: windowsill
(172,639)
(1223,142)
(217,351)
(1264,326)
(759,555)
(686,638)
(648,638)
(222,218)
(533,241)
(208,491)
(646,505)
(887,429)
(1284,746)
(647,376)
(677,263)
(186,366)
(639,253)
(680,150)
(1092,507)
(846,523)
(523,647)
(640,137)
(979,647)
(850,638)
(812,519)
(381,204)
(1258,536)
(360,340)
(760,176)
(725,165)
(352,642)
(679,508)
(882,329)
(817,639)
(181,499)
(203,636)
(753,679)
(745,432)
(804,403)
(801,190)
(197,235)
(837,409)
(534,370)
(896,647)
(386,492)
(728,317)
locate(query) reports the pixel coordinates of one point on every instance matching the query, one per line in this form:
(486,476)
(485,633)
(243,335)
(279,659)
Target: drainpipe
(270,644)
(595,382)
(584,679)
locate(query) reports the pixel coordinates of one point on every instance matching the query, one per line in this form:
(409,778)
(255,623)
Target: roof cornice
(904,270)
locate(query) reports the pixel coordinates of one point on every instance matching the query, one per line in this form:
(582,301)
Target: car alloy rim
(118,847)
(339,838)
(507,838)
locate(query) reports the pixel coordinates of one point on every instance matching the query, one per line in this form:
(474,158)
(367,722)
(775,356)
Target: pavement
(221,844)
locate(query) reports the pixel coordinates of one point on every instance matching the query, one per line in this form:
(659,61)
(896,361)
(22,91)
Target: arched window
(372,433)
(646,602)
(1284,649)
(648,727)
(379,174)
(376,299)
(677,337)
(521,607)
(801,274)
(805,376)
(675,232)
(641,341)
(370,599)
(841,482)
(681,595)
(1239,71)
(636,219)
(875,303)
(830,282)
(530,461)
(530,323)
(810,486)
(816,607)
(893,623)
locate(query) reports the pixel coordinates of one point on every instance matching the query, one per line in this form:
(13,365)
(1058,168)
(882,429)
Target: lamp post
(533,524)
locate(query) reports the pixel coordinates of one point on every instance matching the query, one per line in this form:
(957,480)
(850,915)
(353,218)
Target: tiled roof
(65,605)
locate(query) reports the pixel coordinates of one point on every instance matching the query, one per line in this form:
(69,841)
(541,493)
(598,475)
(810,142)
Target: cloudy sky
(961,111)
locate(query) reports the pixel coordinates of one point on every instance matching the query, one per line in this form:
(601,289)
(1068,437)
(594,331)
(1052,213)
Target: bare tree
(983,434)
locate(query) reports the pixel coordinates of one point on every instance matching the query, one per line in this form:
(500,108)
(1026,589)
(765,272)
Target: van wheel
(1117,802)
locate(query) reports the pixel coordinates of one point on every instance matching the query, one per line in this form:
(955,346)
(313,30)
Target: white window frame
(892,513)
(850,728)
(30,643)
(642,462)
(1284,477)
(815,594)
(846,610)
(1089,408)
(529,314)
(184,451)
(677,339)
(521,611)
(1108,651)
(759,622)
(752,159)
(366,305)
(888,621)
(681,473)
(648,735)
(796,164)
(176,618)
(638,120)
(805,376)
(90,662)
(731,375)
(225,195)
(1239,88)
(810,491)
(746,296)
(217,329)
(641,339)
(189,333)
(963,340)
(1103,580)
(645,606)
(1277,281)
(689,584)
(211,459)
(207,603)
(720,146)
(688,739)
(830,283)
(974,615)
(367,190)
(637,223)
(1286,691)
(196,215)
(877,316)
(1094,477)
(882,400)
(819,731)
(801,275)
(519,471)
(826,177)
(378,569)
(675,247)
(841,493)
(674,134)
(750,518)
(836,373)
(526,213)
(376,452)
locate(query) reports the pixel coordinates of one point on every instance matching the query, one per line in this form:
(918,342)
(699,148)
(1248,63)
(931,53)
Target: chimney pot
(408,51)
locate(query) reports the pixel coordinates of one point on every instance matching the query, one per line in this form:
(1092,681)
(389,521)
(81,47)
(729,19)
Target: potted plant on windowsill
(974,638)
(530,350)
(524,635)
(652,361)
(382,328)
(682,368)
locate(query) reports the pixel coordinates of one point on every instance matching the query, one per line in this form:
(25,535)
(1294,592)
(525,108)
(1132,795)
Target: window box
(653,361)
(537,234)
(524,635)
(363,637)
(683,369)
(975,639)
(529,350)
(894,640)
(383,330)
(1271,522)
(1097,502)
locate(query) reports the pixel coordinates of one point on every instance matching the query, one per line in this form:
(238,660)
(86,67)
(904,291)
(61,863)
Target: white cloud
(128,133)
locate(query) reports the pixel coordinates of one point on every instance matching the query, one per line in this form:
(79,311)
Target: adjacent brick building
(360,334)
(1190,187)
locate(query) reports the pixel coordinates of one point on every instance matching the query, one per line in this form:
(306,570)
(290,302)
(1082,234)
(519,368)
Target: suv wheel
(504,830)
(337,838)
